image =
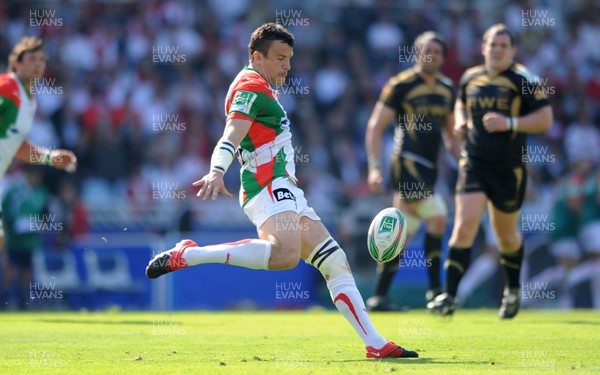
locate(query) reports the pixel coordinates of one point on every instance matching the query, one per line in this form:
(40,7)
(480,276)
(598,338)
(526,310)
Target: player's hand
(211,185)
(494,122)
(375,180)
(460,131)
(63,159)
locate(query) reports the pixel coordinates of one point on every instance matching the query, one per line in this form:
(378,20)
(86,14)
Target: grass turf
(473,341)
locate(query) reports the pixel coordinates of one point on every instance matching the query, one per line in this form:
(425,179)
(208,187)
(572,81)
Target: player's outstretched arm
(212,183)
(59,159)
(380,119)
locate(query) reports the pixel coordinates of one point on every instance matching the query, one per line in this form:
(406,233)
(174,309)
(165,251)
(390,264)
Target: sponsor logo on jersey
(242,101)
(282,194)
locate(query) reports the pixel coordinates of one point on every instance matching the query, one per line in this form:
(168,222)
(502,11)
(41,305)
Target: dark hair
(26,44)
(263,36)
(496,29)
(423,38)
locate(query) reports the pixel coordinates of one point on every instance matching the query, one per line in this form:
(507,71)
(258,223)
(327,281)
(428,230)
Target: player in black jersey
(419,101)
(498,103)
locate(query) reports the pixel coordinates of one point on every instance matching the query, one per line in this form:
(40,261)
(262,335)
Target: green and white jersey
(266,152)
(17,109)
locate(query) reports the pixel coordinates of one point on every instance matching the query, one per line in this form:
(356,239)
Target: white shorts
(279,196)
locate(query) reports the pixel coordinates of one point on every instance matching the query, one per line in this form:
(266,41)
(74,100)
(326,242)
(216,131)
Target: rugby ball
(387,235)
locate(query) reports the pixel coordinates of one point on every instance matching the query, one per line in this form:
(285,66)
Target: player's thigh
(313,233)
(469,210)
(505,226)
(284,231)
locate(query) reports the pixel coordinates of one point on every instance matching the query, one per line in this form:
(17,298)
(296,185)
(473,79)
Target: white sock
(349,302)
(331,261)
(249,253)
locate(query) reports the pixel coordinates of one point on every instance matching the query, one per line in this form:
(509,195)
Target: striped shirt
(266,152)
(17,109)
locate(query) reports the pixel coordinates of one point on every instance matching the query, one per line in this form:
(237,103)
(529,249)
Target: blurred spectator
(330,81)
(582,139)
(575,201)
(565,215)
(69,210)
(25,220)
(384,36)
(589,236)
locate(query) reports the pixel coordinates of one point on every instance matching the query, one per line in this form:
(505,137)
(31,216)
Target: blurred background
(136,89)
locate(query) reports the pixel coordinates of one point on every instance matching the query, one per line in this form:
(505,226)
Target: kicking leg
(321,251)
(267,252)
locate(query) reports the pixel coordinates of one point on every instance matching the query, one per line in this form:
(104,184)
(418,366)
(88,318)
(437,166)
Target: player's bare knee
(283,263)
(284,256)
(289,262)
(508,242)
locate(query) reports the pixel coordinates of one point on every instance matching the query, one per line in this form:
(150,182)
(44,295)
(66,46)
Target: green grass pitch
(297,342)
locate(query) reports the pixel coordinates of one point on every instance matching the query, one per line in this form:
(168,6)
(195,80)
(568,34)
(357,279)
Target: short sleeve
(391,95)
(247,104)
(533,93)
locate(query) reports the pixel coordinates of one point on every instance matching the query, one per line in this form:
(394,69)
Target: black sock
(456,266)
(433,253)
(511,263)
(385,274)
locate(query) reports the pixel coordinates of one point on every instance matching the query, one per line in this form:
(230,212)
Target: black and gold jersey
(421,110)
(514,92)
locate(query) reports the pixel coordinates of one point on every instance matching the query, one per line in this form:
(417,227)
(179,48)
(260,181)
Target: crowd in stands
(142,85)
